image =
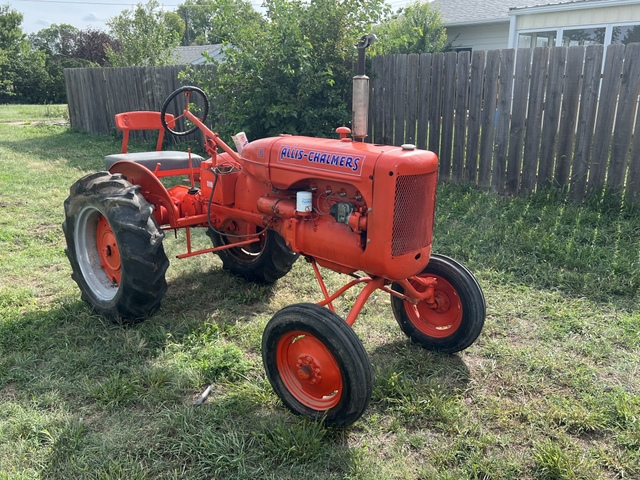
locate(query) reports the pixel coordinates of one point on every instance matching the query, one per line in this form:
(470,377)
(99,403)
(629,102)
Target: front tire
(265,261)
(317,364)
(115,247)
(457,323)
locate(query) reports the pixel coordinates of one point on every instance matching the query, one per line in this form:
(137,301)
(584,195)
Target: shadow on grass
(80,150)
(421,389)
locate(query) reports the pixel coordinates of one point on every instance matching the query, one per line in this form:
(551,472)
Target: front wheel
(459,318)
(115,247)
(317,364)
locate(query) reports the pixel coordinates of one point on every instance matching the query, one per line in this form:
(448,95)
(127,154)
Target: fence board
(476,81)
(462,94)
(489,100)
(448,105)
(629,87)
(505,94)
(633,179)
(518,115)
(570,97)
(87,88)
(586,120)
(400,88)
(387,137)
(534,119)
(412,98)
(378,105)
(423,100)
(435,102)
(105,121)
(606,113)
(557,60)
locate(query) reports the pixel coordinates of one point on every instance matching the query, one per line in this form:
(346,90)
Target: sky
(39,14)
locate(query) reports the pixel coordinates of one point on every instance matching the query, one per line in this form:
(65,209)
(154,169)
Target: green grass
(551,389)
(33,113)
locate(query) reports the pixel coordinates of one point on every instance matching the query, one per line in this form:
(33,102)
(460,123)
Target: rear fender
(154,192)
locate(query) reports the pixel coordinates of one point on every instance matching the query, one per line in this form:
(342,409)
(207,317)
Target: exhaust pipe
(360,112)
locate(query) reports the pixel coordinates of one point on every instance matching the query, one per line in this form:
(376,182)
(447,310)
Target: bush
(294,74)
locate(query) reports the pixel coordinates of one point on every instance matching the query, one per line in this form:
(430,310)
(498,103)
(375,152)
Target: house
(497,24)
(193,55)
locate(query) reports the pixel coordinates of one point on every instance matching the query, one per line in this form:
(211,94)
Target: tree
(23,77)
(11,34)
(93,45)
(214,21)
(293,75)
(145,37)
(175,23)
(64,46)
(56,40)
(417,28)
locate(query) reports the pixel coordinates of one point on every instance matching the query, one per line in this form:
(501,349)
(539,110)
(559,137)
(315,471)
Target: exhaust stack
(360,113)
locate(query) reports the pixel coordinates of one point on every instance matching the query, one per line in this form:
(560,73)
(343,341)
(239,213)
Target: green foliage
(215,21)
(144,35)
(11,34)
(31,70)
(23,76)
(64,46)
(56,40)
(293,75)
(175,23)
(416,28)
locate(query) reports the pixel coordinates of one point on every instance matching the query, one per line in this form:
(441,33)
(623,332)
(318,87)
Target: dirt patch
(59,123)
(12,204)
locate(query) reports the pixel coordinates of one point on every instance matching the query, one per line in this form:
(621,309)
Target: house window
(625,34)
(537,39)
(583,36)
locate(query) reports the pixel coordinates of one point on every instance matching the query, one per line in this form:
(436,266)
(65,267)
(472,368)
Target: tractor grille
(413,213)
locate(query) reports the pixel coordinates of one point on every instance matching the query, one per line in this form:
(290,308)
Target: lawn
(551,389)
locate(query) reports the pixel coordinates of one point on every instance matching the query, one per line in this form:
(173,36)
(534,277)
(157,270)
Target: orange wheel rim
(309,371)
(108,250)
(443,321)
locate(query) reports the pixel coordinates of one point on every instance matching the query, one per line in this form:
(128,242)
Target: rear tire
(317,364)
(115,247)
(457,324)
(265,261)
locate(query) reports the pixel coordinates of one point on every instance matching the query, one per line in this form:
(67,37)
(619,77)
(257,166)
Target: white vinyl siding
(480,37)
(586,16)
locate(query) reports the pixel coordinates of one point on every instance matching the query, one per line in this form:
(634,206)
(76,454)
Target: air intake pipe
(360,111)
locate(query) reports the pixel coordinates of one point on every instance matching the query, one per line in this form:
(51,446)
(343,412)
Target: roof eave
(478,22)
(575,5)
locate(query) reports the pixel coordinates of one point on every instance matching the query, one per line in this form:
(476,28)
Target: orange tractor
(359,209)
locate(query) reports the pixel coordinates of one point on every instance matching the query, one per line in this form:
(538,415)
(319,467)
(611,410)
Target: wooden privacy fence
(95,95)
(514,121)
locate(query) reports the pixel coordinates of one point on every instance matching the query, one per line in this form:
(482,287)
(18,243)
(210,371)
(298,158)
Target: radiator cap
(408,146)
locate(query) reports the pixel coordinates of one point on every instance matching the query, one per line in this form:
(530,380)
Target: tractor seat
(168,160)
(145,120)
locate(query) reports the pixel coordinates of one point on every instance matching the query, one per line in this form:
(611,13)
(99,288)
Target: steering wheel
(190,95)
